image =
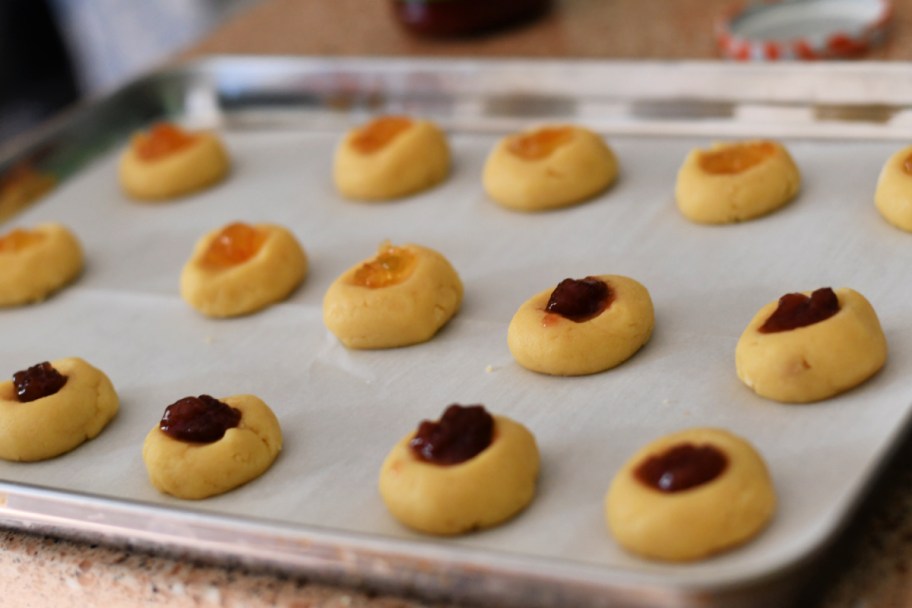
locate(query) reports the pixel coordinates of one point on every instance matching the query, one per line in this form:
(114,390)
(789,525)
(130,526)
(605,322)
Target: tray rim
(371,560)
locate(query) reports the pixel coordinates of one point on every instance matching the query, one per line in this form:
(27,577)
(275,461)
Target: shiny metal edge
(422,569)
(831,101)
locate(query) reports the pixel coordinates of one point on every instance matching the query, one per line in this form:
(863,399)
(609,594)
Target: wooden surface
(871,564)
(629,29)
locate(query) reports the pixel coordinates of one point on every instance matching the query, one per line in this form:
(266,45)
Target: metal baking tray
(317,511)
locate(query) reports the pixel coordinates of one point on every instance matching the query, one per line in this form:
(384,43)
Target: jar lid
(803,29)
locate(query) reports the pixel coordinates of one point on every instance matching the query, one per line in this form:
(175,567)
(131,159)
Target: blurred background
(53,52)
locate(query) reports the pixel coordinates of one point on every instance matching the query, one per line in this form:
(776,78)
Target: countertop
(869,565)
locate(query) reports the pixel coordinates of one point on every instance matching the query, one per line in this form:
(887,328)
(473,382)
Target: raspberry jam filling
(682,467)
(38,381)
(462,433)
(798,310)
(202,419)
(580,299)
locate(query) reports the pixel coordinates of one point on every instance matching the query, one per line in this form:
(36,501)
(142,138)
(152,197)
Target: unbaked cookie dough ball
(53,407)
(736,181)
(35,263)
(241,268)
(167,162)
(391,157)
(549,167)
(582,326)
(893,196)
(811,346)
(690,494)
(402,296)
(205,446)
(468,471)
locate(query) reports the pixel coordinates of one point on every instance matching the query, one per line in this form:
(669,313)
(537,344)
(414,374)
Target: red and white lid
(773,30)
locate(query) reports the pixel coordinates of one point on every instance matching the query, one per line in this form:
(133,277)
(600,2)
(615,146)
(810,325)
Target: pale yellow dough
(816,361)
(39,269)
(893,196)
(575,171)
(402,314)
(479,493)
(56,424)
(699,521)
(277,268)
(195,167)
(724,198)
(551,344)
(199,470)
(415,160)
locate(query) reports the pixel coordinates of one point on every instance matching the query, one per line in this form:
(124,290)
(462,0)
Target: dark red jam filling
(798,310)
(682,467)
(580,299)
(461,433)
(202,419)
(38,381)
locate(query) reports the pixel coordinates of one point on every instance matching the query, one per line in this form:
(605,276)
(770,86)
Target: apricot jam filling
(38,381)
(18,239)
(798,310)
(161,140)
(234,245)
(462,433)
(580,299)
(907,165)
(540,144)
(681,467)
(736,158)
(392,265)
(202,419)
(378,133)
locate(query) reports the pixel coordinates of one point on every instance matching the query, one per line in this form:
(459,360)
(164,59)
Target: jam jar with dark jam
(455,18)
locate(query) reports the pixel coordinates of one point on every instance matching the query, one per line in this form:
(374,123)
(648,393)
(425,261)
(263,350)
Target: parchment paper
(341,410)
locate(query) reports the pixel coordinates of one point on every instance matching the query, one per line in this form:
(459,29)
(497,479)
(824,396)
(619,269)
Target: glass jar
(455,18)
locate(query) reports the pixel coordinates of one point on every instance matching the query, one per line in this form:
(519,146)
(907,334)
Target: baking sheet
(341,410)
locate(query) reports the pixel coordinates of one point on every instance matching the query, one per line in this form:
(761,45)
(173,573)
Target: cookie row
(545,168)
(201,446)
(805,347)
(681,497)
(467,471)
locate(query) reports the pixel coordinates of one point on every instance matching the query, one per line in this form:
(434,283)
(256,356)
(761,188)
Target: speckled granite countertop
(869,566)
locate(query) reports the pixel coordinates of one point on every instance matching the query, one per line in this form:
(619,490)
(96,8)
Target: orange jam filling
(391,266)
(18,239)
(162,140)
(540,144)
(21,185)
(378,133)
(907,165)
(736,158)
(234,245)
